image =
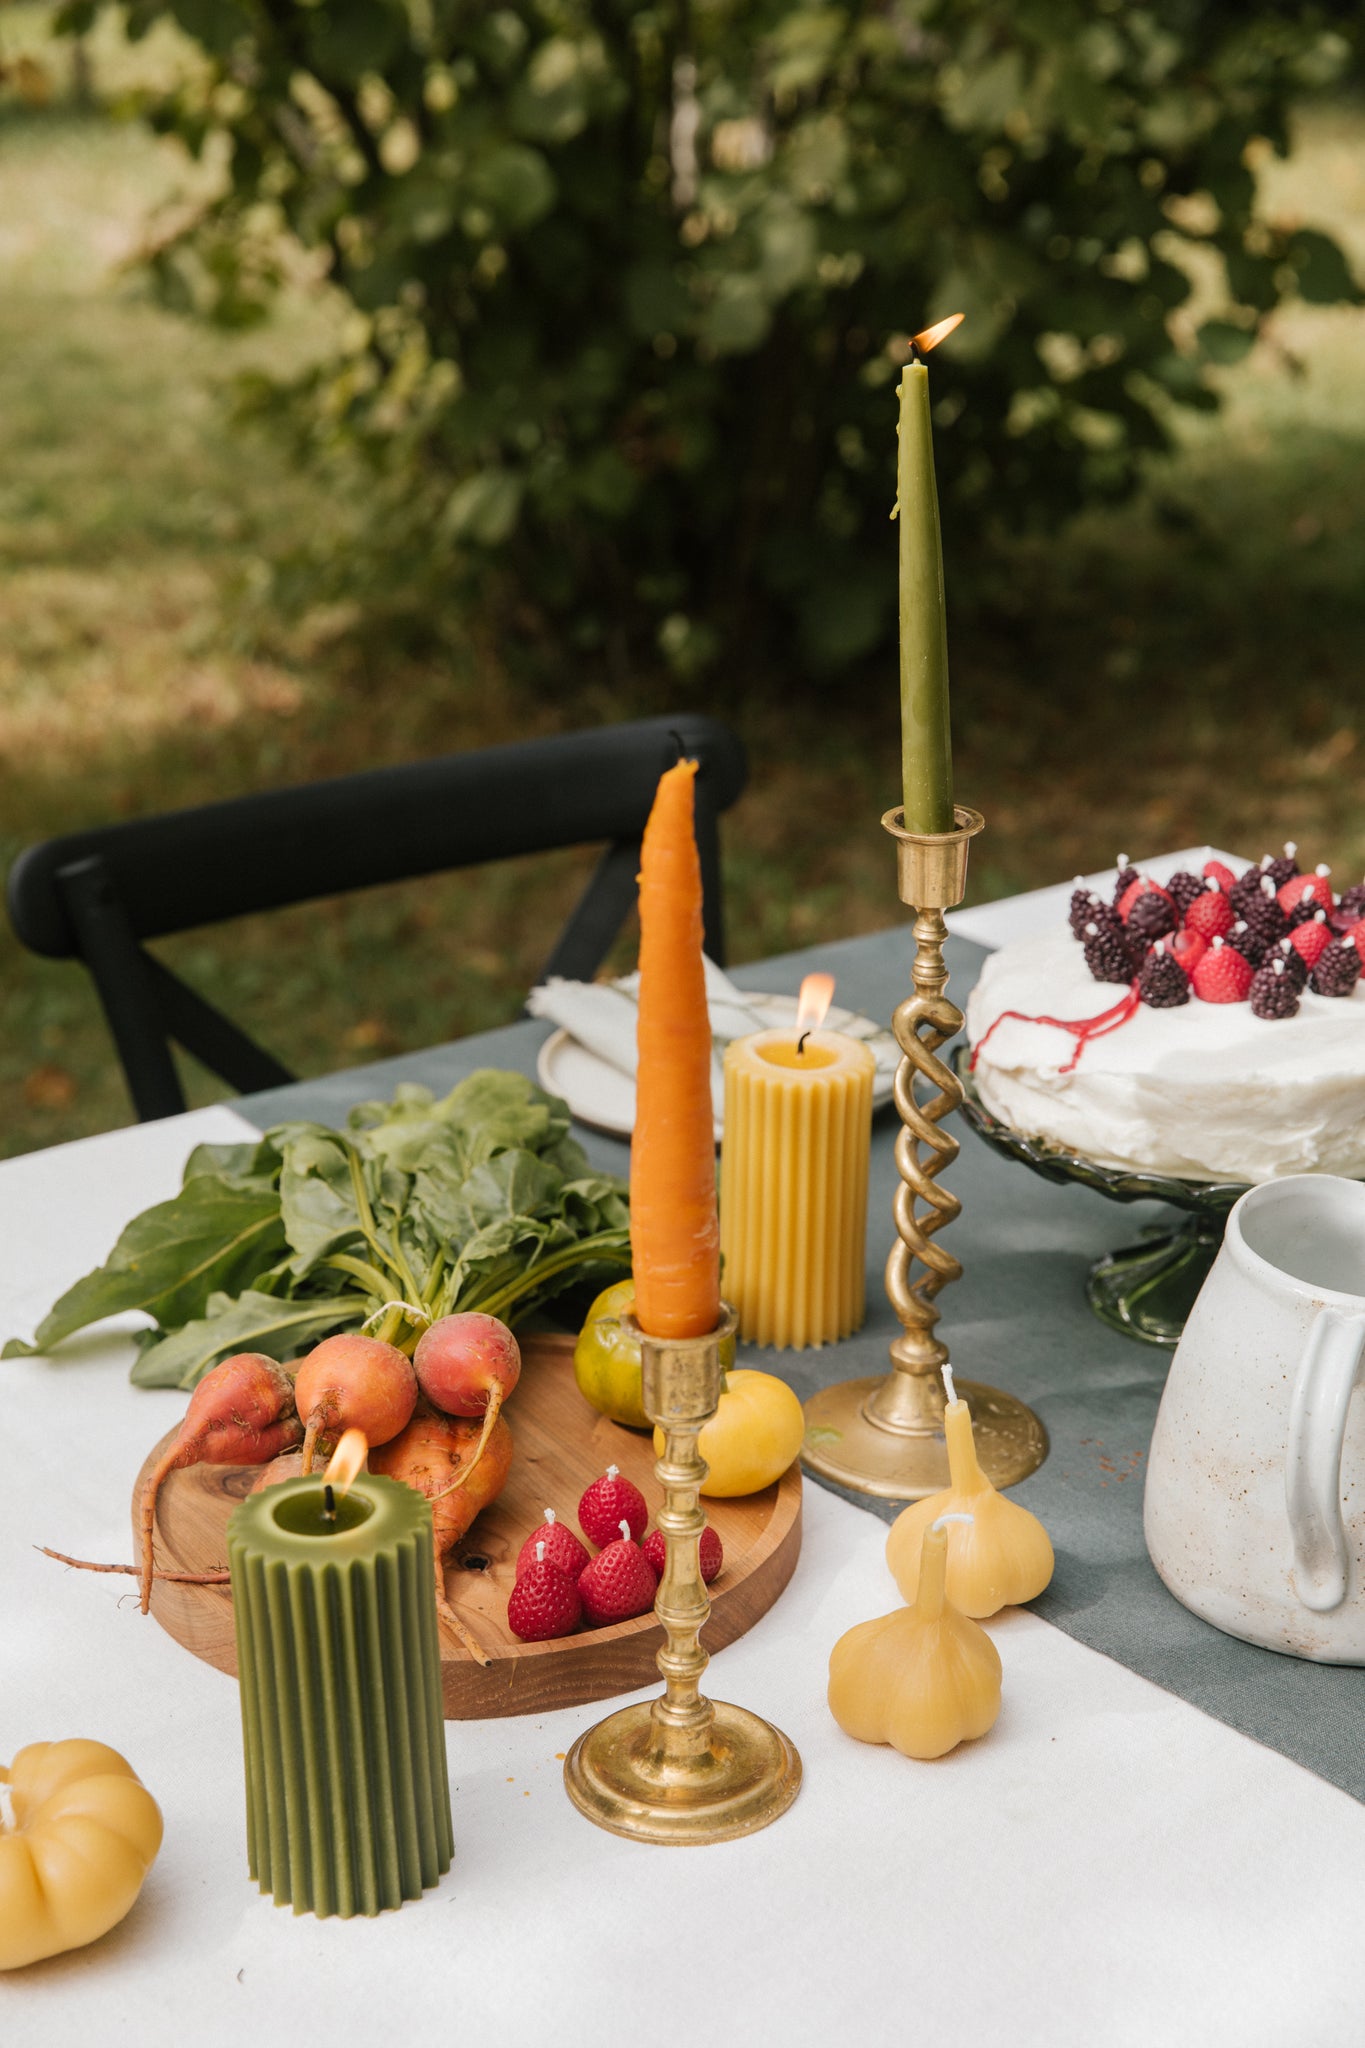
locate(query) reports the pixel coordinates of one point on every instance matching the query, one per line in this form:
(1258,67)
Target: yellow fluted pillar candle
(793,1185)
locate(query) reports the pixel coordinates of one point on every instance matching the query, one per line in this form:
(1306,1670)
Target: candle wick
(801,1041)
(949,1389)
(916,352)
(329,1504)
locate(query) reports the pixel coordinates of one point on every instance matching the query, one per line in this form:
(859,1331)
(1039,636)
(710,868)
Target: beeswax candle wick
(933,1569)
(329,1504)
(963,1469)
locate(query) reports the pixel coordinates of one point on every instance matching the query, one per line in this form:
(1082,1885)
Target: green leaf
(484,508)
(250,1165)
(815,158)
(1222,343)
(984,98)
(485,1113)
(1324,274)
(562,83)
(350,37)
(212,1236)
(515,184)
(738,318)
(251,1322)
(515,1183)
(318,1204)
(596,1202)
(789,249)
(805,47)
(657,300)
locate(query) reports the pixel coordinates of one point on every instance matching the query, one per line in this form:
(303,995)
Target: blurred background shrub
(187,610)
(626,286)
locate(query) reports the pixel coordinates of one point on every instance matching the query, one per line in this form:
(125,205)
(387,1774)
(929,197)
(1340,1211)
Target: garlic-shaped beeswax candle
(1001,1558)
(922,1679)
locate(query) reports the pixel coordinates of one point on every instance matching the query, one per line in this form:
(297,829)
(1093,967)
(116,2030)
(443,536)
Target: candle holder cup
(884,1435)
(682,1768)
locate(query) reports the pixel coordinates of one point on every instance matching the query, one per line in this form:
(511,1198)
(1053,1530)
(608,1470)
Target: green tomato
(606,1358)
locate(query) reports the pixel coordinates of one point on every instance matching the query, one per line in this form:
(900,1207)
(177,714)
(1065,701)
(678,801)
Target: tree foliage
(629,283)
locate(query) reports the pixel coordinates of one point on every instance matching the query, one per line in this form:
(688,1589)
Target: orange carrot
(675,1240)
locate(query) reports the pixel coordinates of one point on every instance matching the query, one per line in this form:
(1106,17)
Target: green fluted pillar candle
(926,742)
(348,1803)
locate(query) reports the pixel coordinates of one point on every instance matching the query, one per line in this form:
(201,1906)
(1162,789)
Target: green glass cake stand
(1147,1289)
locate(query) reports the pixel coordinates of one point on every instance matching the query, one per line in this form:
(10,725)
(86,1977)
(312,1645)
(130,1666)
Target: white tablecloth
(1107,1867)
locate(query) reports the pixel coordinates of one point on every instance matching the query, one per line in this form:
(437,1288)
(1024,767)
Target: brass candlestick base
(885,1436)
(682,1768)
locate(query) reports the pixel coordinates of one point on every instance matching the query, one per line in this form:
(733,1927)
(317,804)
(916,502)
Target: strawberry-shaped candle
(607,1502)
(999,1557)
(544,1602)
(924,1678)
(710,1553)
(619,1583)
(558,1544)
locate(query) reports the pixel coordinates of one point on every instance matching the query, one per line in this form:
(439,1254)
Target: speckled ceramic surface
(1255,1501)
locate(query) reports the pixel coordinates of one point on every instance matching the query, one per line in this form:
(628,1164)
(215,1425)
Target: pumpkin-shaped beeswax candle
(84,1837)
(1001,1557)
(922,1679)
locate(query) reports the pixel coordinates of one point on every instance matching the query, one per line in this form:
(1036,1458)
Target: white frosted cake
(1216,1089)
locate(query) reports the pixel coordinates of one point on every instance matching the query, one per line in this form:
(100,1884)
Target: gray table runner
(1019,1319)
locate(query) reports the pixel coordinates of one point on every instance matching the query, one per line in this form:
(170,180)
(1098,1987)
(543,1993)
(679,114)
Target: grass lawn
(1186,669)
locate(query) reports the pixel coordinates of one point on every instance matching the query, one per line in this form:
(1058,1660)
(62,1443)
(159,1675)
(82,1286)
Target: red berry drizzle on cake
(1237,1048)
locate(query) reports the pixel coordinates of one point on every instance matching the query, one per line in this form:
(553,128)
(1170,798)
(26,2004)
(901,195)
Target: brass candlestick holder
(884,1435)
(682,1768)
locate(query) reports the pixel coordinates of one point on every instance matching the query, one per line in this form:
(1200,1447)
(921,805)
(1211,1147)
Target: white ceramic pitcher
(1255,1503)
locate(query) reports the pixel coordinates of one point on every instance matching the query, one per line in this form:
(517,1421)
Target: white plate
(601,1096)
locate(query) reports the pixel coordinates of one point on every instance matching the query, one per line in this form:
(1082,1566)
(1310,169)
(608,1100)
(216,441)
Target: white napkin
(602,1016)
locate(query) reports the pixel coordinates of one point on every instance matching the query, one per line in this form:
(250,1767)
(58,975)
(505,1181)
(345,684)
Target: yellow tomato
(752,1437)
(606,1358)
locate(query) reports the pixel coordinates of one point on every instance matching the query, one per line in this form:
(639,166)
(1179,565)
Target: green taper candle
(926,741)
(348,1803)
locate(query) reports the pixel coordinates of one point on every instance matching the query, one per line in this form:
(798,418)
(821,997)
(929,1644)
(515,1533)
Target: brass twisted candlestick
(927,1012)
(682,1768)
(884,1435)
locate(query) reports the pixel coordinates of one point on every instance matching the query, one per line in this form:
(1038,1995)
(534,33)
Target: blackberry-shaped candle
(348,1803)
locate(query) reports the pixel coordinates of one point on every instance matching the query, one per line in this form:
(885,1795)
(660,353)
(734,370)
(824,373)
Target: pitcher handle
(1312,1471)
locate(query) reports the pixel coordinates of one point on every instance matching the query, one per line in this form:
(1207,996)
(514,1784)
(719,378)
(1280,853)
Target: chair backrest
(97,895)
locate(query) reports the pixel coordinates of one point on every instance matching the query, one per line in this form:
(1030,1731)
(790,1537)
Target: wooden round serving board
(561,1445)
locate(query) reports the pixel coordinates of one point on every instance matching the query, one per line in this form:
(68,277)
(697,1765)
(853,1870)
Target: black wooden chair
(97,896)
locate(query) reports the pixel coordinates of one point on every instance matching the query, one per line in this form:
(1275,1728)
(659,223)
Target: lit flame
(347,1460)
(812,1005)
(932,336)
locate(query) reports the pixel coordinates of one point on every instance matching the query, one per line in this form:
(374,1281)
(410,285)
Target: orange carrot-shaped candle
(675,1240)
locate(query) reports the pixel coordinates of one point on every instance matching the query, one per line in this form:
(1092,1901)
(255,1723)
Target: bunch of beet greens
(420,1208)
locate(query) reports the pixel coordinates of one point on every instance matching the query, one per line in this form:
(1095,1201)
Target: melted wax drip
(1082,1029)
